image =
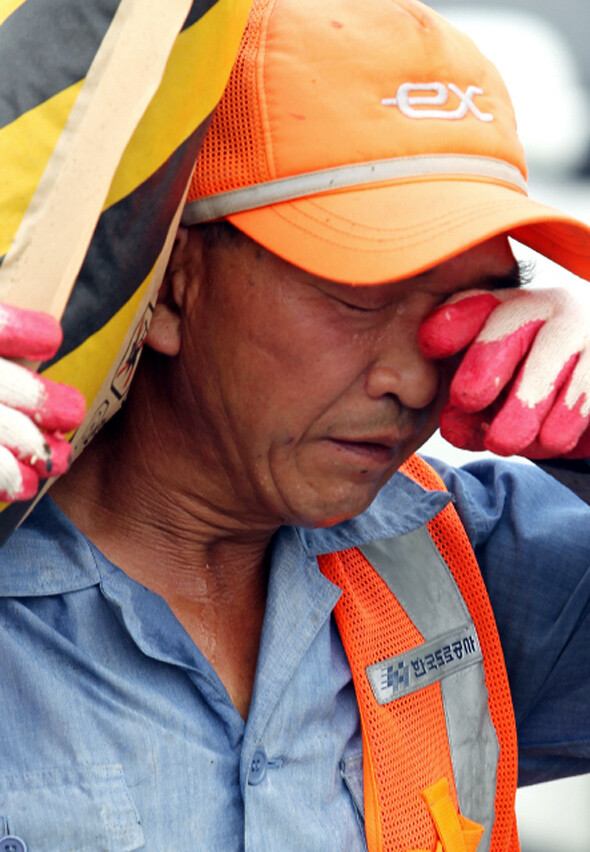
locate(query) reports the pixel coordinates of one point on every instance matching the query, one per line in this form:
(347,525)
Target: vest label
(425,664)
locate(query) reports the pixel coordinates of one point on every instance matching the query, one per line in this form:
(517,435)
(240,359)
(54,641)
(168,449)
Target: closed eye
(363,309)
(521,274)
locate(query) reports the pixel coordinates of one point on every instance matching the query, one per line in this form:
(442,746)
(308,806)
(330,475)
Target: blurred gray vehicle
(541,49)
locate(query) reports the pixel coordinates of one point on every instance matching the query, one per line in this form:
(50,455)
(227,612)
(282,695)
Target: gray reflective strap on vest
(421,581)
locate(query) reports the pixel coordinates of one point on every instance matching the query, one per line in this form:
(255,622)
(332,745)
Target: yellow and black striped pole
(103,107)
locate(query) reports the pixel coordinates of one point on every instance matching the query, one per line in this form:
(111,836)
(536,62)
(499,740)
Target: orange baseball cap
(369,141)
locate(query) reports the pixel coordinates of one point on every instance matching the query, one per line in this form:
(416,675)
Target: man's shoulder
(46,555)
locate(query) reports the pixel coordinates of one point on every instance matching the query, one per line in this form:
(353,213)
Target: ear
(184,271)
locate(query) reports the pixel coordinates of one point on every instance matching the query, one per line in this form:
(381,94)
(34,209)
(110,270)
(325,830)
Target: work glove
(34,412)
(523,385)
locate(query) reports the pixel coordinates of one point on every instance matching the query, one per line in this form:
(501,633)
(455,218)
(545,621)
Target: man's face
(310,393)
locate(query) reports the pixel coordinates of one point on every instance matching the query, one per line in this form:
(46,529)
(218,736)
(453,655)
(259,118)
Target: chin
(336,512)
(329,500)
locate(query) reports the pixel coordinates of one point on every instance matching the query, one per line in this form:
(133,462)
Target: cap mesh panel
(233,151)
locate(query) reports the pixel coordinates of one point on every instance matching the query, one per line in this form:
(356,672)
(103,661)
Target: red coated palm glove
(34,412)
(523,385)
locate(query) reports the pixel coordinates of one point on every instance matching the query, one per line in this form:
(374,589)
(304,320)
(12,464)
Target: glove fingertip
(513,429)
(563,428)
(59,457)
(63,409)
(452,326)
(437,336)
(34,335)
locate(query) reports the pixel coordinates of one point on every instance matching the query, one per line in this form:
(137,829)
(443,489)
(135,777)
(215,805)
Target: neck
(144,498)
(128,498)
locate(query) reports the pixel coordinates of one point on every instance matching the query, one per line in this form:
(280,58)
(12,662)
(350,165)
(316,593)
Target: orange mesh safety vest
(439,739)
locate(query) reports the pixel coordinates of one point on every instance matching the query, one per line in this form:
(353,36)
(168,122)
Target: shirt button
(10,843)
(257,767)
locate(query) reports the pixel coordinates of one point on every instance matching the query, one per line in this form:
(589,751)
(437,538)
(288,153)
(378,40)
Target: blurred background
(542,49)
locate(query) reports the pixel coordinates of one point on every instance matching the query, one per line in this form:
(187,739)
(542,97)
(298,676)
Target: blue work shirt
(117,734)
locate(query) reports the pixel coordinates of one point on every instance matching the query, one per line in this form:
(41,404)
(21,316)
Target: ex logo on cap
(418,105)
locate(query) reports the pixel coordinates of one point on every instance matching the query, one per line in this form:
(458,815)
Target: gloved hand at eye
(523,385)
(34,412)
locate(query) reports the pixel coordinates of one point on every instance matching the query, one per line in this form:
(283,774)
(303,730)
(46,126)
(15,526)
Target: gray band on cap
(341,177)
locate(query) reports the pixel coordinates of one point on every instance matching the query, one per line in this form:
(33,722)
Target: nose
(401,370)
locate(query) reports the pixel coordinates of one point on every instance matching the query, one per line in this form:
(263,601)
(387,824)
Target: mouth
(372,453)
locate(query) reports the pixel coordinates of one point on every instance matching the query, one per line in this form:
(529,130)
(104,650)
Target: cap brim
(374,234)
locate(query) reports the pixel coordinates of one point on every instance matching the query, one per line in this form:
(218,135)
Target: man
(244,627)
